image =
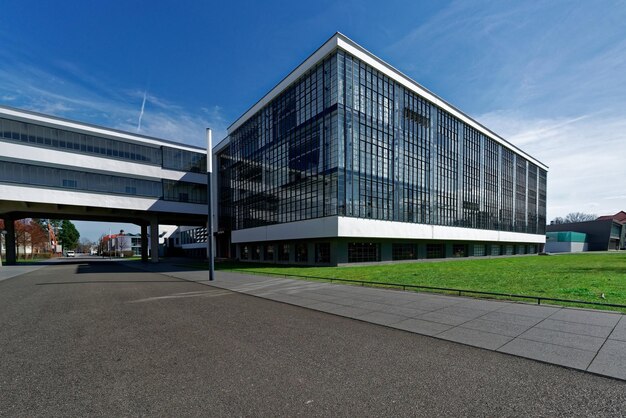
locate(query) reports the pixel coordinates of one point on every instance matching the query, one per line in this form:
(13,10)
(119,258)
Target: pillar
(10,240)
(144,243)
(154,240)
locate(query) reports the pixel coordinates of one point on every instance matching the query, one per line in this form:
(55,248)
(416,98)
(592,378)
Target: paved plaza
(583,339)
(101,338)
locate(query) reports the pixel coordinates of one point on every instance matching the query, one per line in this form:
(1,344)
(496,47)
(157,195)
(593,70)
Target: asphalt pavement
(104,339)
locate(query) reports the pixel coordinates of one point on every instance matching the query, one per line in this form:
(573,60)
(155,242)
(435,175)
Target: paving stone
(381,318)
(611,360)
(582,342)
(294,300)
(465,312)
(475,338)
(511,318)
(550,353)
(487,305)
(419,326)
(347,311)
(496,327)
(619,333)
(401,310)
(587,317)
(313,304)
(576,328)
(529,310)
(428,305)
(372,306)
(444,318)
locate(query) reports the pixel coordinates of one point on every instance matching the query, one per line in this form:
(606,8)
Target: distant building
(604,234)
(566,242)
(122,244)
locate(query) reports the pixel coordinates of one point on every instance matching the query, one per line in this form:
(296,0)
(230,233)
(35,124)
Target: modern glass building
(61,169)
(348,160)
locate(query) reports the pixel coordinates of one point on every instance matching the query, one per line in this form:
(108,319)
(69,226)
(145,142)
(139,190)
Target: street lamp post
(209,230)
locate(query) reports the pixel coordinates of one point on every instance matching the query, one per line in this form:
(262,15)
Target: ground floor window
(403,251)
(459,250)
(532,249)
(363,252)
(495,249)
(509,250)
(322,252)
(268,254)
(521,249)
(245,252)
(283,252)
(479,250)
(302,255)
(256,252)
(435,251)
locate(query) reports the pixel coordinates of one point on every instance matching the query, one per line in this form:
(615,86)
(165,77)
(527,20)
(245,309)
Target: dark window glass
(269,252)
(363,252)
(27,174)
(435,251)
(256,252)
(322,252)
(459,250)
(283,252)
(301,253)
(404,251)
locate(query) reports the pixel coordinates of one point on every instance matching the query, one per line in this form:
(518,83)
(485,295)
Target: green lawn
(569,276)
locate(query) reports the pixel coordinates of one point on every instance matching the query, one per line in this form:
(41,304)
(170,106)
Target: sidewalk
(7,272)
(583,339)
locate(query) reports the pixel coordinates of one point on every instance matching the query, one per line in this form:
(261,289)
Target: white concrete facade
(346,227)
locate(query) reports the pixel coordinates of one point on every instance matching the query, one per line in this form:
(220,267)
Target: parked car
(70,254)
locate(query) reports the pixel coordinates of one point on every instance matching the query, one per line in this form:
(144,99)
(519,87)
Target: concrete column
(154,240)
(10,241)
(310,252)
(292,253)
(341,252)
(144,243)
(386,251)
(421,250)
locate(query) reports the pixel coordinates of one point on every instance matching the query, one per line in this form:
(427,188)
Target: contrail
(143,106)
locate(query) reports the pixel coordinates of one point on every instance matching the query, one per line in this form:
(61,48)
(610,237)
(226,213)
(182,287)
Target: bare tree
(557,221)
(580,217)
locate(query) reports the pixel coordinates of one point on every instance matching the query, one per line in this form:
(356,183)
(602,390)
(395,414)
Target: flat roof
(340,41)
(61,123)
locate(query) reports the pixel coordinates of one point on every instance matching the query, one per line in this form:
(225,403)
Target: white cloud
(69,93)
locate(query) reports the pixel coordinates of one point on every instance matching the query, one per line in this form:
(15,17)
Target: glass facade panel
(404,251)
(322,252)
(360,252)
(479,250)
(345,139)
(283,252)
(183,160)
(36,175)
(435,251)
(268,255)
(69,141)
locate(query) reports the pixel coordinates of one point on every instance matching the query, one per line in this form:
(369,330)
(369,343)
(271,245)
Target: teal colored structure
(566,242)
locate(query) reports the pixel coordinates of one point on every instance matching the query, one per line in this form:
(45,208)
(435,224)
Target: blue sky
(550,76)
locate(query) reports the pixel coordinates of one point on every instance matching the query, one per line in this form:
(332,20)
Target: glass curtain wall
(282,162)
(347,140)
